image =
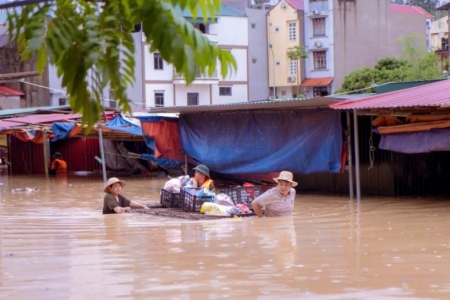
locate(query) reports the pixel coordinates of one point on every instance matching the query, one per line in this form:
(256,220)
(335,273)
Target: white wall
(232,30)
(240,74)
(151,73)
(182,90)
(238,94)
(166,89)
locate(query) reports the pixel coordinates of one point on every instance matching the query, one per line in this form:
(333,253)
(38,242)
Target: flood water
(56,244)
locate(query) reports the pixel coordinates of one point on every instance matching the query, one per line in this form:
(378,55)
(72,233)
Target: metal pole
(44,146)
(355,131)
(349,156)
(273,71)
(185,165)
(102,154)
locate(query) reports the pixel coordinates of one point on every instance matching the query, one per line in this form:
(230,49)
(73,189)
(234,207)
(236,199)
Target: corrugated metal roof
(297,4)
(430,95)
(445,6)
(9,91)
(321,81)
(409,9)
(38,119)
(395,86)
(8,124)
(309,103)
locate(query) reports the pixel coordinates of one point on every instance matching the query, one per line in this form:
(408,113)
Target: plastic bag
(244,208)
(223,199)
(214,209)
(172,184)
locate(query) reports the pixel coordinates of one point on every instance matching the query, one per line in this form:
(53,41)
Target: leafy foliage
(297,53)
(91,44)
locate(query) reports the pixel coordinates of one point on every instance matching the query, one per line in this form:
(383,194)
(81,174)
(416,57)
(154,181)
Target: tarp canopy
(161,135)
(417,142)
(252,142)
(120,124)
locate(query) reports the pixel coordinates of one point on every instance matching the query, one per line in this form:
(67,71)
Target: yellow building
(285,30)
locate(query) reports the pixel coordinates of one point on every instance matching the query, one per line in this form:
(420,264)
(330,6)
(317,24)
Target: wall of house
(9,102)
(35,95)
(166,88)
(203,90)
(366,31)
(278,20)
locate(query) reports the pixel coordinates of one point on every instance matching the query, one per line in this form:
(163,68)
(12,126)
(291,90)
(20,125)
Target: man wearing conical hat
(277,201)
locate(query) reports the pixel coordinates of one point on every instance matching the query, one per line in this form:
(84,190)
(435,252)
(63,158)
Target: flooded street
(56,244)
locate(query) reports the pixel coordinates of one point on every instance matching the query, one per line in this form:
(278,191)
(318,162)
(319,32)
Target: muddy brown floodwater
(56,244)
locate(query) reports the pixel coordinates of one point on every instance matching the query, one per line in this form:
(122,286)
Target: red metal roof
(7,124)
(9,91)
(37,119)
(435,94)
(321,81)
(297,4)
(410,9)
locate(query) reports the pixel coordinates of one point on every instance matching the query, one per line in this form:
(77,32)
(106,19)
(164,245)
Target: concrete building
(163,86)
(285,30)
(345,35)
(444,52)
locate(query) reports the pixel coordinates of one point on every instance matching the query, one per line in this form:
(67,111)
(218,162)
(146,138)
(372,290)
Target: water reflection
(56,244)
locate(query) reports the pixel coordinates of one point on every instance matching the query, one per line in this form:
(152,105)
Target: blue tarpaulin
(120,124)
(252,142)
(61,130)
(417,142)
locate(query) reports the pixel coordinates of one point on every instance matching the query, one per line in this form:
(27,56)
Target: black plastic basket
(169,199)
(243,195)
(189,201)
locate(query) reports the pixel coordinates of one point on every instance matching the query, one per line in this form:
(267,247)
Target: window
(159,99)
(318,26)
(293,67)
(157,62)
(292,31)
(320,91)
(320,60)
(112,102)
(192,98)
(225,91)
(62,101)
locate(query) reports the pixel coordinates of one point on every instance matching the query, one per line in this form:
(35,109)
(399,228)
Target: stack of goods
(224,206)
(193,198)
(170,193)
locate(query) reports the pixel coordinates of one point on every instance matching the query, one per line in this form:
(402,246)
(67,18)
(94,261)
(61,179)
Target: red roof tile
(9,91)
(409,9)
(432,95)
(321,81)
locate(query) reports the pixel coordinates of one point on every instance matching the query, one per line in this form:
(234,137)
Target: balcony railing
(198,75)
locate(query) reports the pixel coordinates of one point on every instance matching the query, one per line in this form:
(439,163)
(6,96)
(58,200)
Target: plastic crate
(169,199)
(243,195)
(189,201)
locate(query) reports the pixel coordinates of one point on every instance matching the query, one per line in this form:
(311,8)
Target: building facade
(163,86)
(345,35)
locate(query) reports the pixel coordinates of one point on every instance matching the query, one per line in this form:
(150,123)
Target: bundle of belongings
(212,204)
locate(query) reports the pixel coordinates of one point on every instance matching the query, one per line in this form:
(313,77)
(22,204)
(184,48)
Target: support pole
(44,147)
(102,153)
(185,165)
(349,157)
(355,132)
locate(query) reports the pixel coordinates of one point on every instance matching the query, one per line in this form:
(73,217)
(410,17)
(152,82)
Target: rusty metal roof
(9,91)
(434,95)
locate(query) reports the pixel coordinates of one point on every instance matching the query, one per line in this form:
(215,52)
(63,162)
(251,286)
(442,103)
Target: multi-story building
(284,32)
(163,86)
(345,35)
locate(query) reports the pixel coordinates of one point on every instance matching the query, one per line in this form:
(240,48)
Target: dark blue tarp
(61,130)
(252,142)
(417,142)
